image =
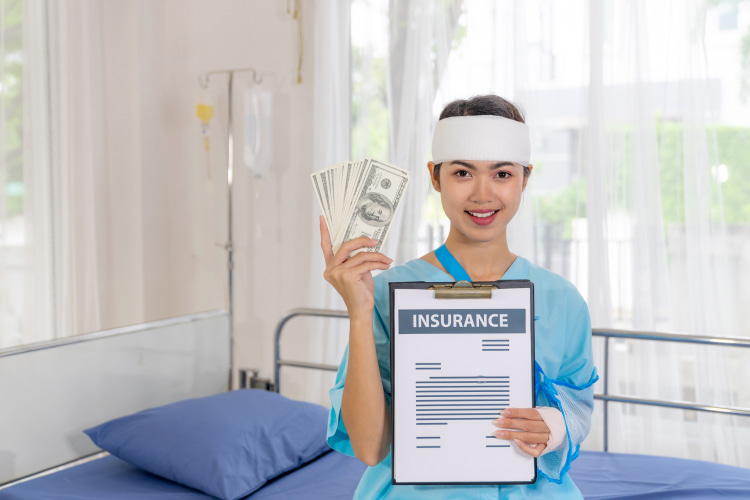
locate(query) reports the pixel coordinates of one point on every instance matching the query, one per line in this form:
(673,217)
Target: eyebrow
(495,166)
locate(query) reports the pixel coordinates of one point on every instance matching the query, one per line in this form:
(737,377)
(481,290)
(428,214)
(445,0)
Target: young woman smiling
(481,152)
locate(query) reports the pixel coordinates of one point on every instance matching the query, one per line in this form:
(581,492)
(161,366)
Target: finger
(325,240)
(534,452)
(366,267)
(366,257)
(527,413)
(348,247)
(521,424)
(527,437)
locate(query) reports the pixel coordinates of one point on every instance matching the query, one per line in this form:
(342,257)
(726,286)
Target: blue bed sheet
(610,476)
(332,476)
(600,476)
(107,477)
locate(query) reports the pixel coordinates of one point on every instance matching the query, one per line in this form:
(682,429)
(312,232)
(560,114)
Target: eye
(462,173)
(504,174)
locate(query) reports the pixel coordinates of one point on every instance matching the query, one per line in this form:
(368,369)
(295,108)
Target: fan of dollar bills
(360,198)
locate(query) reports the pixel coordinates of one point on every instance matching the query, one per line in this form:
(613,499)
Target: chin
(484,236)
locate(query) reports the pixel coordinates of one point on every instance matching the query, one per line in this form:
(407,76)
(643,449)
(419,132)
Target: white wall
(272,234)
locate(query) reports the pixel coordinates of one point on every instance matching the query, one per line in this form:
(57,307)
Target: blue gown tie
(451,265)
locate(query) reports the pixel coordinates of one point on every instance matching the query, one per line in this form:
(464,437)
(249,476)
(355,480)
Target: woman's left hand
(524,426)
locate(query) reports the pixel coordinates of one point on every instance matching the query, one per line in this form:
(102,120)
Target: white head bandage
(481,138)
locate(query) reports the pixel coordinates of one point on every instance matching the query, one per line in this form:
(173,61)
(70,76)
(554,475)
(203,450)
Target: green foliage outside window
(11,93)
(369,134)
(732,202)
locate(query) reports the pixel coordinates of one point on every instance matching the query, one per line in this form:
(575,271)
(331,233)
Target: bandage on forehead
(481,138)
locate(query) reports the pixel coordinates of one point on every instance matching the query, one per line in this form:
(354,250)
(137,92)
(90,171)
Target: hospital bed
(330,475)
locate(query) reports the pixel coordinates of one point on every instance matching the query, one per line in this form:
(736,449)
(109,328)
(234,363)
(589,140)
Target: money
(360,198)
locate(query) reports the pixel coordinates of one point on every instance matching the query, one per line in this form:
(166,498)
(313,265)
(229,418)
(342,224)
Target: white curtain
(77,146)
(331,144)
(626,102)
(38,296)
(420,36)
(633,108)
(399,53)
(398,58)
(111,222)
(331,103)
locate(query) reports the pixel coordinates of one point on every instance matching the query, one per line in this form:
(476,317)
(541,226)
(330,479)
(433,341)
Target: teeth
(483,215)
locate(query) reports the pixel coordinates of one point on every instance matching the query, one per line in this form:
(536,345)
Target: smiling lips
(482,217)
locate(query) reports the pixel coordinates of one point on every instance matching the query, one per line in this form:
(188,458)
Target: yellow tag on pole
(205,112)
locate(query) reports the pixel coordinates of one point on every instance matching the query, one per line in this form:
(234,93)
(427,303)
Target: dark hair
(482,105)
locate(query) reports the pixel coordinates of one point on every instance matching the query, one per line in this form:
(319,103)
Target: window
(16,196)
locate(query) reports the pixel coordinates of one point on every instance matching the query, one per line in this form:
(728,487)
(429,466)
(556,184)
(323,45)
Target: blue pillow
(227,445)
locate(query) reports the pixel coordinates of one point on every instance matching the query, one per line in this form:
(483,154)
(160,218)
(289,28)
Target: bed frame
(46,432)
(52,391)
(250,378)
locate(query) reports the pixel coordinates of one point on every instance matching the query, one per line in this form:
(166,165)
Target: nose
(482,190)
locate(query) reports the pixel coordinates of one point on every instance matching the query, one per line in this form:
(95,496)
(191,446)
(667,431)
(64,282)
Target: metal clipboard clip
(464,290)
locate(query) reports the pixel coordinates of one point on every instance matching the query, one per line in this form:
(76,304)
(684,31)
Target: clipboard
(460,353)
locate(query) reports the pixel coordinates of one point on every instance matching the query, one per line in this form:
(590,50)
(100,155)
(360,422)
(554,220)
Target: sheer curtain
(331,135)
(393,80)
(628,104)
(637,120)
(76,83)
(421,33)
(637,126)
(102,221)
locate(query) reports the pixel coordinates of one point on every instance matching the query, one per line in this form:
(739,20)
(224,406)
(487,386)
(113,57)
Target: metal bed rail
(606,397)
(606,334)
(278,362)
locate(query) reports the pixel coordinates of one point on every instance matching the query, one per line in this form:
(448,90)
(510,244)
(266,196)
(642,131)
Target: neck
(484,261)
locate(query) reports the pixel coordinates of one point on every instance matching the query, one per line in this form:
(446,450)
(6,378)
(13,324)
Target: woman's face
(480,197)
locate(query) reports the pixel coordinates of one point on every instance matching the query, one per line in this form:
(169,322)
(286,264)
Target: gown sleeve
(572,392)
(337,436)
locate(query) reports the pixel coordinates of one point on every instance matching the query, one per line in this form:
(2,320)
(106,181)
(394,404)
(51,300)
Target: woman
(481,167)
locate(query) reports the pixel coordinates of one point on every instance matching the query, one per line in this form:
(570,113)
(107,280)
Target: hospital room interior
(160,243)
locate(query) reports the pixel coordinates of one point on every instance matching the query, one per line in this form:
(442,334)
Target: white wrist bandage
(556,423)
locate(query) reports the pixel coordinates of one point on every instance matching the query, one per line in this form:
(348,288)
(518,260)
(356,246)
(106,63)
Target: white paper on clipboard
(455,364)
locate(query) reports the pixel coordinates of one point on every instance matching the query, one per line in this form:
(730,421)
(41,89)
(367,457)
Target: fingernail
(500,421)
(505,413)
(501,434)
(373,241)
(517,441)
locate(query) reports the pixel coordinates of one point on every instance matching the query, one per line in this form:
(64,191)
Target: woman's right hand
(351,277)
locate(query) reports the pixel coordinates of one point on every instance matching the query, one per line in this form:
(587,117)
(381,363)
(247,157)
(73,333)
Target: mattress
(600,476)
(332,476)
(621,476)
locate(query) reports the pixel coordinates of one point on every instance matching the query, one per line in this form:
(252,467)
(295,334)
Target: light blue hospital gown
(565,375)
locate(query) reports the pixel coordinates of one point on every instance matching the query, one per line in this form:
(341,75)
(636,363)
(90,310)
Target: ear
(526,178)
(435,182)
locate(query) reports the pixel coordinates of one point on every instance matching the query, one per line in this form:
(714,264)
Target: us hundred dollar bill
(376,202)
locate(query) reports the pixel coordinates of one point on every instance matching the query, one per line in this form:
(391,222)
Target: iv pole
(229,245)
